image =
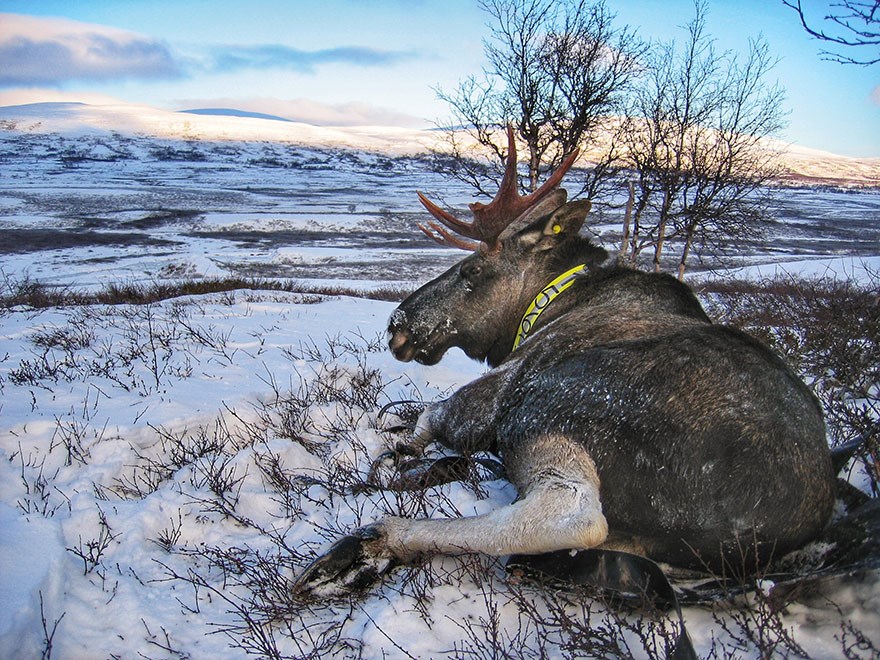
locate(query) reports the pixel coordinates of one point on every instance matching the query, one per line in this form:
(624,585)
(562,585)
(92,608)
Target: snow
(802,163)
(857,269)
(88,430)
(136,495)
(31,561)
(82,118)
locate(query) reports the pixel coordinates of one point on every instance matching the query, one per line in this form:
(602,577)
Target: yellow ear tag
(557,229)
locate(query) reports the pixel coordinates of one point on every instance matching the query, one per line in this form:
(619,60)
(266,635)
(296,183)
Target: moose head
(517,242)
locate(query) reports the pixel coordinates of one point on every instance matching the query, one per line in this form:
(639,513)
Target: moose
(623,416)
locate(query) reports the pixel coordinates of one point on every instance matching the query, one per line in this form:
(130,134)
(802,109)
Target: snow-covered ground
(169,195)
(86,443)
(168,468)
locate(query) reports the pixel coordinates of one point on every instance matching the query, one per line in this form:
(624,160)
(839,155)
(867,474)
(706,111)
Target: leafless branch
(853,24)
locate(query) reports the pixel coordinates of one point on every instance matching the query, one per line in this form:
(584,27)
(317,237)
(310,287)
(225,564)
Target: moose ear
(549,230)
(567,220)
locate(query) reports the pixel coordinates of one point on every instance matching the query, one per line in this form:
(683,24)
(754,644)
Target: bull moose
(624,417)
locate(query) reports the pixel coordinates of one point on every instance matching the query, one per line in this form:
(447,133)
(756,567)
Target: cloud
(232,58)
(875,95)
(311,112)
(50,51)
(36,51)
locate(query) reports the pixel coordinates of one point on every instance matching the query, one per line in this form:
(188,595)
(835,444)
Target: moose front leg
(559,508)
(468,420)
(465,422)
(556,514)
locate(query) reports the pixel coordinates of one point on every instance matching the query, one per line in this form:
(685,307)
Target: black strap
(618,572)
(841,454)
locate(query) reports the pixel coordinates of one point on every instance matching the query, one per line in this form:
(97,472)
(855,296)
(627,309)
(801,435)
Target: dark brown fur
(708,448)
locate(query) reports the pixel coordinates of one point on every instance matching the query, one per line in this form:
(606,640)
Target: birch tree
(556,70)
(697,142)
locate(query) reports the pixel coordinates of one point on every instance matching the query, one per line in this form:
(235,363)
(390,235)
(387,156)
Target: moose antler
(490,220)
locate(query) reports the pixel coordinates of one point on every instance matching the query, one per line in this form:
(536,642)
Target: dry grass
(27,292)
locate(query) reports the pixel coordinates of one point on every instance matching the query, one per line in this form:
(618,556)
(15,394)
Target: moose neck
(560,304)
(543,300)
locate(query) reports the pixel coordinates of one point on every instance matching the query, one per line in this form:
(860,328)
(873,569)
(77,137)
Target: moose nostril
(398,339)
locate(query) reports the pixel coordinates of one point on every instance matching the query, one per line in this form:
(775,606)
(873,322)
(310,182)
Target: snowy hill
(69,118)
(232,112)
(804,165)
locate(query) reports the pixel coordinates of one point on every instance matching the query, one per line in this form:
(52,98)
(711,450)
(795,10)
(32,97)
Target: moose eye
(471,272)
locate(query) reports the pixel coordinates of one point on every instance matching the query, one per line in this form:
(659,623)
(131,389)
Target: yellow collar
(542,301)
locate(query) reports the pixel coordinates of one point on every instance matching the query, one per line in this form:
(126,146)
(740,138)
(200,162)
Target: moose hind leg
(558,508)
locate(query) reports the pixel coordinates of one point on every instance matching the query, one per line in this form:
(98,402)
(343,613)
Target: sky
(350,62)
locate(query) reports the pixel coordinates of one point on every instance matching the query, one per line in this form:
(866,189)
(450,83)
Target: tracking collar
(542,301)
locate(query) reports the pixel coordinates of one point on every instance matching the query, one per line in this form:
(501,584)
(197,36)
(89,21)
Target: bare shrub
(169,536)
(176,450)
(48,632)
(829,331)
(40,496)
(91,551)
(854,643)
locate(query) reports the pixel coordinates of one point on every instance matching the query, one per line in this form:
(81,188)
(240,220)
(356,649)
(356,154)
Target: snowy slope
(802,163)
(141,119)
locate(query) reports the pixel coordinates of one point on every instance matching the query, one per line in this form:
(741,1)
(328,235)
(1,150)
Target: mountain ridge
(233,112)
(803,164)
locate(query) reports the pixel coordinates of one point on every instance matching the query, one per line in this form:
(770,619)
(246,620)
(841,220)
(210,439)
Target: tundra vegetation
(250,499)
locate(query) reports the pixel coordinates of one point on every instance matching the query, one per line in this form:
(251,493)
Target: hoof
(388,460)
(346,567)
(427,473)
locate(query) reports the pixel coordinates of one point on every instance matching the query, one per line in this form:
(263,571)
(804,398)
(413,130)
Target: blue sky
(368,61)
